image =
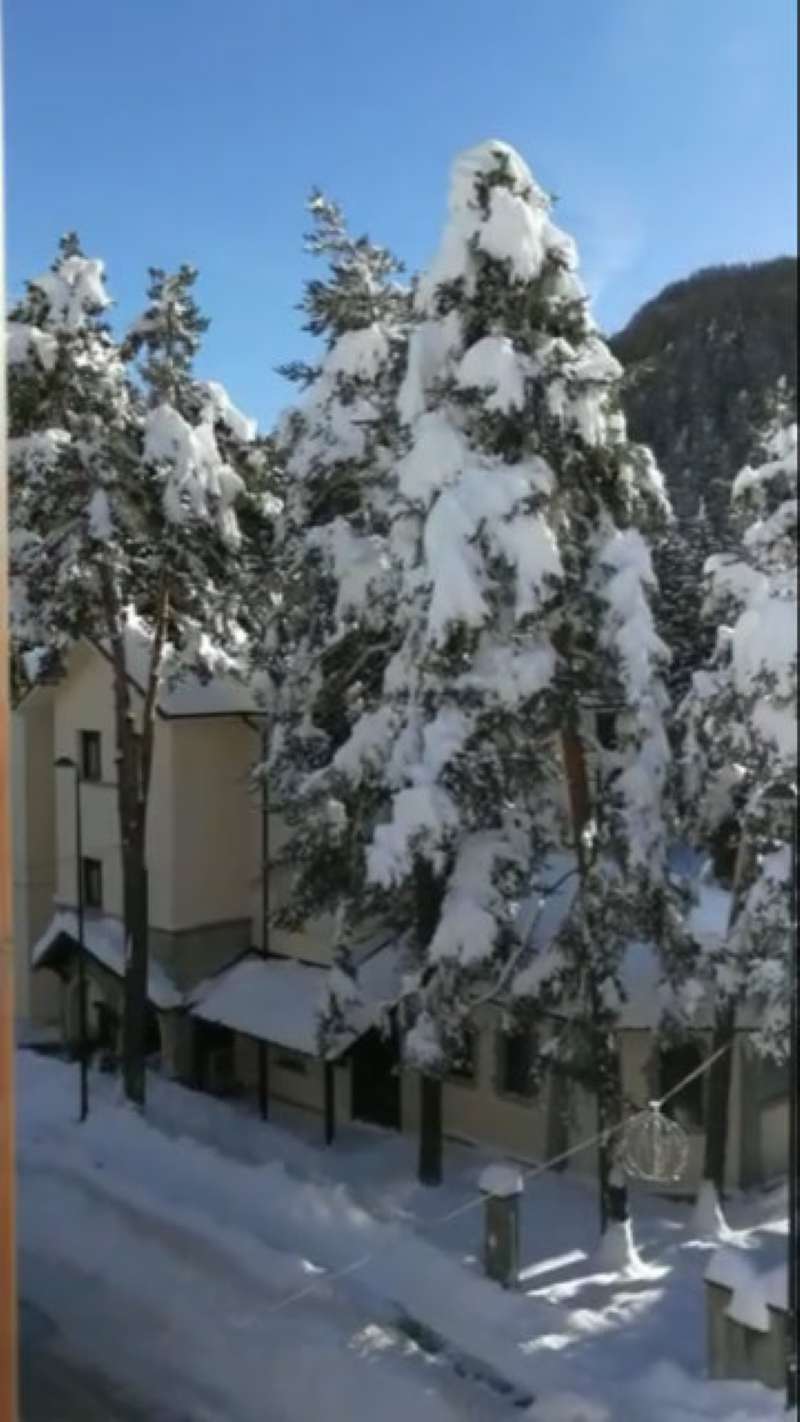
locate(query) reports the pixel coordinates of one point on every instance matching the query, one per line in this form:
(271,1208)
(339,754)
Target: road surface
(56,1389)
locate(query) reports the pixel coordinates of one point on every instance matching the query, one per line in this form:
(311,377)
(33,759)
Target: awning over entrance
(104,940)
(278,1000)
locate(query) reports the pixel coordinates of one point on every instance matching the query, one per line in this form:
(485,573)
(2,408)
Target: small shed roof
(104,939)
(279,999)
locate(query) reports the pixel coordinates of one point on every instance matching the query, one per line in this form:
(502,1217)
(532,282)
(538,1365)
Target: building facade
(226,1018)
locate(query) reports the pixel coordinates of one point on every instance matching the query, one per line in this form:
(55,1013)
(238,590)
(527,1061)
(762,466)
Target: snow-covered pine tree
(523,595)
(327,645)
(124,524)
(679,559)
(740,773)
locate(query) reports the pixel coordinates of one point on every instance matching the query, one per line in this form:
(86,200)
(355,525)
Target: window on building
(516,1063)
(464,1065)
(91,759)
(92,875)
(606,729)
(675,1063)
(292,1061)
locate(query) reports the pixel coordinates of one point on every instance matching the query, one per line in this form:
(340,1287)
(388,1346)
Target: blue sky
(172,130)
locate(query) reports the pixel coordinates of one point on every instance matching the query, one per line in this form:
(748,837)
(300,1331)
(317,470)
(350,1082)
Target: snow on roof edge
(103,939)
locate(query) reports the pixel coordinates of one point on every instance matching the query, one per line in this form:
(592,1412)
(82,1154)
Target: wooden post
(330,1104)
(8,1255)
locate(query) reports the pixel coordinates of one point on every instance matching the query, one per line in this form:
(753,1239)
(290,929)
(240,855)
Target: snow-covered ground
(222,1270)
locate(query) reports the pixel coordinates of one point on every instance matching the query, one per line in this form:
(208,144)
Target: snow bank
(617,1253)
(708,1221)
(568,1407)
(756,1283)
(667,1393)
(210,1250)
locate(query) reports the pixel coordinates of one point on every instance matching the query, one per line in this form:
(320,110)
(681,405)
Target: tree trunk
(618,1211)
(136,974)
(430,1131)
(607,1085)
(574,758)
(429,895)
(720,1071)
(719,1087)
(134,766)
(263,1060)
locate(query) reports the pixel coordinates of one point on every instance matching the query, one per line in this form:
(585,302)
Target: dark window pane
(464,1063)
(92,883)
(606,729)
(675,1063)
(516,1062)
(91,758)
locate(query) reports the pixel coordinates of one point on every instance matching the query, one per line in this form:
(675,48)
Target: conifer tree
(740,774)
(326,643)
(124,525)
(522,594)
(679,559)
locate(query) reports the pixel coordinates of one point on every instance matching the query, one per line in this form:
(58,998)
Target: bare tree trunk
(721,1070)
(607,1084)
(263,1058)
(603,1045)
(719,1090)
(429,906)
(134,1027)
(134,768)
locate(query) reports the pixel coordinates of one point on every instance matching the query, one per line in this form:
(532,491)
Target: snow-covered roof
(220,695)
(279,999)
(104,939)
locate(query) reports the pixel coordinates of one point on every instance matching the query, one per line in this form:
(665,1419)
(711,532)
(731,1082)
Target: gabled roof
(222,694)
(104,940)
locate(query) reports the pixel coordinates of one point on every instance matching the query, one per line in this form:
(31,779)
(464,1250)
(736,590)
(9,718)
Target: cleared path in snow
(52,1387)
(174,1309)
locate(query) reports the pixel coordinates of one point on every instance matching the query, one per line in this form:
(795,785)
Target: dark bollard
(501,1186)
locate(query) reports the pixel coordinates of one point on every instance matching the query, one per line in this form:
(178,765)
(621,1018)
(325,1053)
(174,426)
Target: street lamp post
(66,762)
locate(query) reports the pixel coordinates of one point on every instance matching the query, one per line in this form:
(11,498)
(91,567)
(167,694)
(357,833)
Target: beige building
(226,1018)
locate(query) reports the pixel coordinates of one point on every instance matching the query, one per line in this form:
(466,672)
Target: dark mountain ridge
(709,361)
